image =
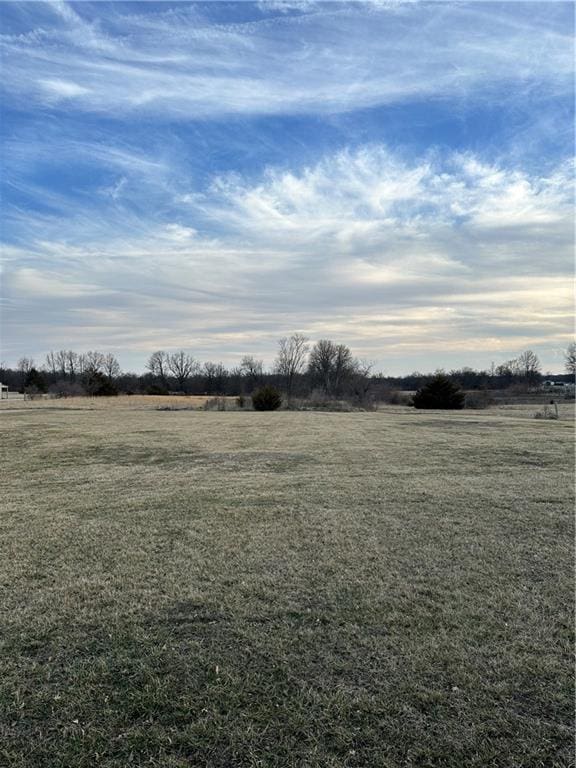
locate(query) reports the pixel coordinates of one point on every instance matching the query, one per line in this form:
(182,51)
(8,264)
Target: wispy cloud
(389,255)
(373,203)
(175,64)
(392,174)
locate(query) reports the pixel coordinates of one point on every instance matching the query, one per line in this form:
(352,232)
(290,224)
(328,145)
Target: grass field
(290,589)
(122,402)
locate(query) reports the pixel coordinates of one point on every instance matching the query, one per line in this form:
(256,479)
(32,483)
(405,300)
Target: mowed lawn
(289,589)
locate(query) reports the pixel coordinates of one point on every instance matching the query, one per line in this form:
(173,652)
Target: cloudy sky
(212,176)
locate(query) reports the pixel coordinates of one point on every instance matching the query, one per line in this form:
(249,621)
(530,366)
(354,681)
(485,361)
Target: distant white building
(5,394)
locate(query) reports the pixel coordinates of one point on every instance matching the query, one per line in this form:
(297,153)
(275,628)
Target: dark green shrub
(98,385)
(266,399)
(439,393)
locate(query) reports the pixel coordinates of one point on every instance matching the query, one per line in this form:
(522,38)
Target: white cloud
(63,89)
(372,202)
(336,58)
(31,282)
(179,233)
(389,255)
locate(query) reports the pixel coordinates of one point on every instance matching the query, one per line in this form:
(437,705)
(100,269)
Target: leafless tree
(214,377)
(93,362)
(111,366)
(158,365)
(62,362)
(70,363)
(509,369)
(361,379)
(331,364)
(25,365)
(251,371)
(344,367)
(81,364)
(291,359)
(570,359)
(52,363)
(321,363)
(67,363)
(182,366)
(529,365)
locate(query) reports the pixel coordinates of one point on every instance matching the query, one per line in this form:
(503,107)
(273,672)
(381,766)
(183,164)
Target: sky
(396,176)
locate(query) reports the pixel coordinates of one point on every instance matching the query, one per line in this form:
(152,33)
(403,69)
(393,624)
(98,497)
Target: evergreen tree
(439,393)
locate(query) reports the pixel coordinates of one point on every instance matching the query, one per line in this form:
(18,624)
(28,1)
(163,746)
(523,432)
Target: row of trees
(525,366)
(299,368)
(326,365)
(67,363)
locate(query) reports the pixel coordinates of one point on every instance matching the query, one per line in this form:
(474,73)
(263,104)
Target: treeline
(299,369)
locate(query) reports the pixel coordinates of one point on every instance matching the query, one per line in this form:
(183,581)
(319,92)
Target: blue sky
(213,176)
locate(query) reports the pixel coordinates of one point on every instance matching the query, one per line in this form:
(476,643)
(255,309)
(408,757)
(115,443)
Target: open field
(520,409)
(290,589)
(131,402)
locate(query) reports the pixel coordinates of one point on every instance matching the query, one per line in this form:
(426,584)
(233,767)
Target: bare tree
(344,367)
(70,363)
(252,371)
(25,365)
(182,366)
(331,365)
(321,363)
(529,365)
(570,359)
(291,359)
(111,366)
(52,363)
(508,370)
(93,362)
(361,379)
(158,365)
(236,379)
(214,377)
(60,360)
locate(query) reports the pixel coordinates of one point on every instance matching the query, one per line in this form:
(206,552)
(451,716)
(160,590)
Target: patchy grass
(290,589)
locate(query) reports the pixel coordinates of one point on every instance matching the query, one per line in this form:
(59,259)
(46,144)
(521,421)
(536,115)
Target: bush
(98,385)
(240,401)
(439,393)
(266,399)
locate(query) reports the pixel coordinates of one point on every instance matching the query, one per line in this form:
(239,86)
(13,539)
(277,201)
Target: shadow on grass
(194,686)
(130,456)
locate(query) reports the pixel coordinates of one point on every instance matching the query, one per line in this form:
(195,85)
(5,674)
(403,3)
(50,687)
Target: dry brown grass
(318,590)
(122,402)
